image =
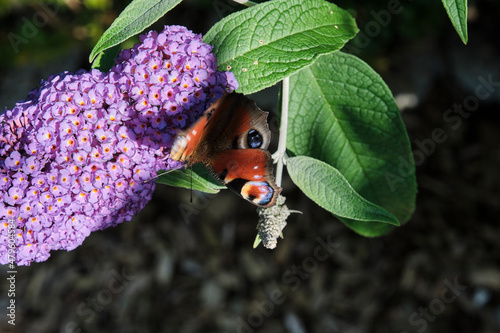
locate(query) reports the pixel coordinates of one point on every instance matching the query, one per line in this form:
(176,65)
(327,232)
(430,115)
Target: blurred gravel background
(181,267)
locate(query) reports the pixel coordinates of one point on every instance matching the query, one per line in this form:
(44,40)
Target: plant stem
(279,156)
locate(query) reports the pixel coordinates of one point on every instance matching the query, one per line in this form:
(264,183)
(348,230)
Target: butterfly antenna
(191,198)
(158,175)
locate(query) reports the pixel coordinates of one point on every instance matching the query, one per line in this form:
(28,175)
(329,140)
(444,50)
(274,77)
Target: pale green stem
(279,156)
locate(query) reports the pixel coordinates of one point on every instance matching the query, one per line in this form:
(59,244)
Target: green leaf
(199,179)
(341,112)
(106,59)
(137,16)
(457,12)
(326,186)
(265,43)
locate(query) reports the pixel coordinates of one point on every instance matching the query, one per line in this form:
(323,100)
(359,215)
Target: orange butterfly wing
(231,139)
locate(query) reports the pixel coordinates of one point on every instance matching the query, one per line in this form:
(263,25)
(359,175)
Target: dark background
(185,267)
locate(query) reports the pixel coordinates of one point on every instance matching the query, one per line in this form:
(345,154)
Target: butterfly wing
(247,172)
(231,139)
(240,159)
(188,142)
(231,119)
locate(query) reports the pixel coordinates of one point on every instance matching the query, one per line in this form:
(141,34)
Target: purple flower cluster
(75,156)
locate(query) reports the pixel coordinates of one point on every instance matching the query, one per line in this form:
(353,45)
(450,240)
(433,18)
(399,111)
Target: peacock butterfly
(231,140)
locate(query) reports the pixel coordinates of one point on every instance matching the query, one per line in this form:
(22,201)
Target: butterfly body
(231,139)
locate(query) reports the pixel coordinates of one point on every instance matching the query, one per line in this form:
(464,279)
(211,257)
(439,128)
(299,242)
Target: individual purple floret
(76,154)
